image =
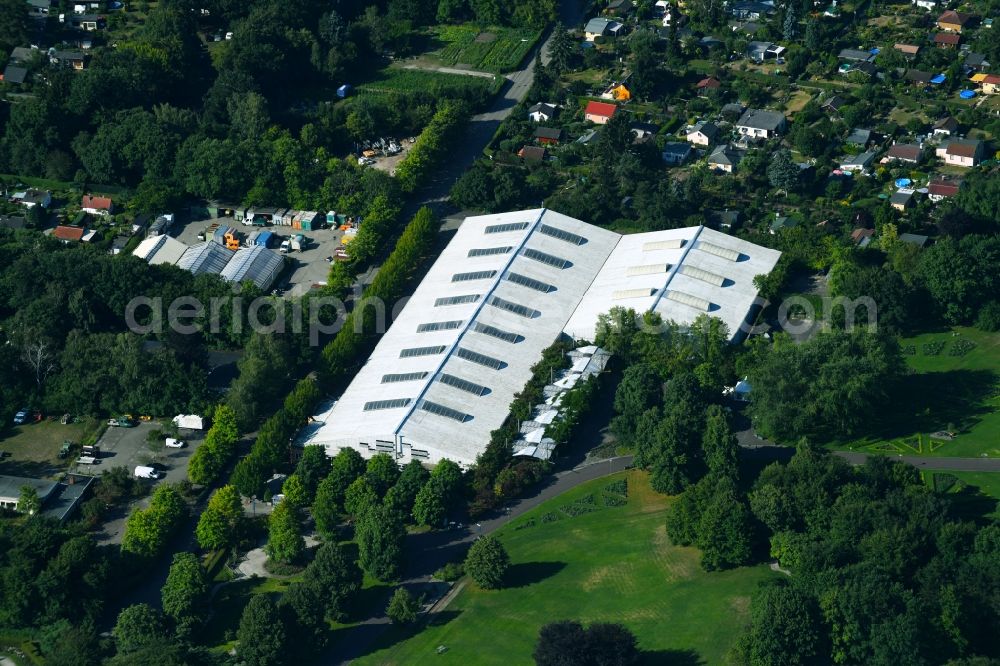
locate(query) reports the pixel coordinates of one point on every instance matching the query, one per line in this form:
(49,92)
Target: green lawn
(491,50)
(975,494)
(34,448)
(608,563)
(956,387)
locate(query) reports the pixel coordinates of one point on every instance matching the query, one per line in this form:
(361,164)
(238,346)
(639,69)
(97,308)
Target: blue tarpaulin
(938,78)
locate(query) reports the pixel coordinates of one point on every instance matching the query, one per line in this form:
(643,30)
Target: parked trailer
(265,238)
(88,460)
(299,242)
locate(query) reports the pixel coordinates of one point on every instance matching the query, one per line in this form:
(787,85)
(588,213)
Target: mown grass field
(34,448)
(956,387)
(975,494)
(592,556)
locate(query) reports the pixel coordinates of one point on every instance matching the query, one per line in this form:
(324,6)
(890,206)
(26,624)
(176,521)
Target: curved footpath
(432,550)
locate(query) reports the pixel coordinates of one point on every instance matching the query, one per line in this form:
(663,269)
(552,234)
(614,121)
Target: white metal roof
(257,264)
(207,257)
(161,249)
(443,376)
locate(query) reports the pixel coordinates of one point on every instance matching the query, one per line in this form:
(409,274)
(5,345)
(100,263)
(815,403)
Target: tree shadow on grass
(368,638)
(529,573)
(930,401)
(672,657)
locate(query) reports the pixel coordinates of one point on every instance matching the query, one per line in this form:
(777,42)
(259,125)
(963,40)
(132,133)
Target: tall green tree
(784,628)
(380,534)
(219,524)
(262,639)
(403,607)
(719,443)
(337,577)
(185,594)
(285,543)
(382,473)
(138,626)
(487,562)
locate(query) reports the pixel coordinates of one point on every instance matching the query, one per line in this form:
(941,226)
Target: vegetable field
(491,50)
(472,89)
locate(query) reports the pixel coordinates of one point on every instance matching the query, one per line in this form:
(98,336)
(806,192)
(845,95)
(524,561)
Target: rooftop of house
(63,232)
(761,119)
(861,159)
(964,147)
(947,38)
(532,153)
(859,136)
(918,75)
(709,129)
(955,18)
(548,133)
(543,107)
(600,109)
(901,197)
(947,123)
(15,74)
(599,25)
(908,49)
(904,151)
(944,188)
(856,55)
(725,155)
(676,148)
(708,82)
(915,239)
(97,203)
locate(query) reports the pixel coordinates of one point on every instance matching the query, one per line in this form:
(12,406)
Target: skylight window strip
(473,275)
(671,244)
(447,412)
(421,351)
(403,377)
(462,384)
(719,251)
(545,258)
(648,269)
(561,235)
(456,300)
(703,275)
(439,326)
(481,359)
(516,308)
(689,300)
(643,292)
(489,251)
(506,227)
(497,333)
(395,403)
(530,283)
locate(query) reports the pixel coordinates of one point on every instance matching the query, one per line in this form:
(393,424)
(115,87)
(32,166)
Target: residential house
(908,153)
(14,74)
(859,162)
(862,237)
(68,234)
(87,22)
(914,239)
(96,205)
(72,59)
(619,7)
(947,40)
(32,197)
(918,76)
(758,123)
(990,84)
(83,6)
(532,153)
(953,21)
(866,68)
(761,51)
(908,50)
(703,134)
(548,135)
(860,137)
(855,55)
(751,10)
(901,200)
(782,222)
(929,5)
(542,112)
(946,126)
(617,92)
(707,84)
(724,158)
(643,131)
(675,152)
(39,8)
(723,219)
(599,112)
(22,54)
(977,62)
(940,188)
(834,103)
(962,152)
(602,27)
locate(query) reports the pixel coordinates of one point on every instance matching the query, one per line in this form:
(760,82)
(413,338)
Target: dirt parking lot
(304,269)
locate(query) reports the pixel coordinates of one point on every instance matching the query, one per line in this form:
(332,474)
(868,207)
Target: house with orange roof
(96,205)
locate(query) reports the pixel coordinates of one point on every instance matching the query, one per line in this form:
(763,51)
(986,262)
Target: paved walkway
(452,70)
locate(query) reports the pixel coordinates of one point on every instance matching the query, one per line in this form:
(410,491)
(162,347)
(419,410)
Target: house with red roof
(68,234)
(706,84)
(96,205)
(953,21)
(599,112)
(943,189)
(947,40)
(990,84)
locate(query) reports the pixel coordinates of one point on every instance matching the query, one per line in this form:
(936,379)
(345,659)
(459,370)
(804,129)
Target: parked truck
(143,472)
(298,242)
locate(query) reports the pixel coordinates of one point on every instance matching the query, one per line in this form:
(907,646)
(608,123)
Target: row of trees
(432,146)
(148,530)
(218,448)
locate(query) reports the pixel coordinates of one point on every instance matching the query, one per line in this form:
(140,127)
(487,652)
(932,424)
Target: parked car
(174,443)
(22,416)
(121,422)
(143,472)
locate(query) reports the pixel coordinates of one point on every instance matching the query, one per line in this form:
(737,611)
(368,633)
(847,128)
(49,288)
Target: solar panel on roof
(620,294)
(689,300)
(503,228)
(703,275)
(516,308)
(497,333)
(545,258)
(462,384)
(489,251)
(421,351)
(474,275)
(456,300)
(561,235)
(439,326)
(481,359)
(648,269)
(719,251)
(530,283)
(395,403)
(441,410)
(403,377)
(671,244)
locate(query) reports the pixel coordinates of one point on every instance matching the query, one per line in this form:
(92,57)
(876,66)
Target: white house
(542,112)
(961,152)
(926,4)
(757,123)
(703,134)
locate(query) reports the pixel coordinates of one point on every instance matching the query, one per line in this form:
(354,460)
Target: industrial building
(207,257)
(506,287)
(256,264)
(160,250)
